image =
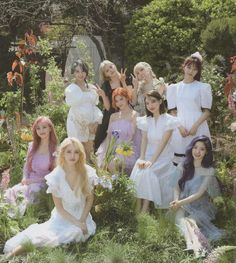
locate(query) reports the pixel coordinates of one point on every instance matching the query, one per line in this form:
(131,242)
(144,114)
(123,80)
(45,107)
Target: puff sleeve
(206,96)
(171,122)
(171,96)
(73,95)
(53,181)
(142,123)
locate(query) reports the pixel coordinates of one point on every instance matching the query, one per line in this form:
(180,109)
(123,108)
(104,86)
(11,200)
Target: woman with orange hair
(122,130)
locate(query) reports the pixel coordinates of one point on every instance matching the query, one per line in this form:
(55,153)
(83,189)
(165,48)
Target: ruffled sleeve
(171,96)
(73,95)
(142,123)
(206,96)
(171,122)
(53,181)
(177,174)
(92,176)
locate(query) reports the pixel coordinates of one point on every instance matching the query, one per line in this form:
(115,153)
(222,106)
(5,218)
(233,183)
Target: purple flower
(114,177)
(5,179)
(115,134)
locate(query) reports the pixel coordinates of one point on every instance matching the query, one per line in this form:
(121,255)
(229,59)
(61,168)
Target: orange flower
(26,137)
(14,76)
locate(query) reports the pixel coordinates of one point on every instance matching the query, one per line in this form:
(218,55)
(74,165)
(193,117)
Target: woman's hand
(83,227)
(183,131)
(193,130)
(142,164)
(123,76)
(25,181)
(175,205)
(100,92)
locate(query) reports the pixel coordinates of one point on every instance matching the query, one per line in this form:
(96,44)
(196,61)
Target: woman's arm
(202,189)
(205,115)
(87,207)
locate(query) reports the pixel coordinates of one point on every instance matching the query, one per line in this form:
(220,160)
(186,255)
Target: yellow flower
(26,137)
(125,149)
(98,208)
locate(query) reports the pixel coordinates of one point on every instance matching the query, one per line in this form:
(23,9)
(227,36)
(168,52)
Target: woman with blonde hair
(145,80)
(71,185)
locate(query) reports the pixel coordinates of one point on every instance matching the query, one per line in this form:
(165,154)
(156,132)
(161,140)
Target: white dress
(57,231)
(153,183)
(83,111)
(189,99)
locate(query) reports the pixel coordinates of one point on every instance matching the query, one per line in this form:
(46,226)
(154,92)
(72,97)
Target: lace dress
(83,111)
(58,231)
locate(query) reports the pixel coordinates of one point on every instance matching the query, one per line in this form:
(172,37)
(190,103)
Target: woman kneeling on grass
(71,185)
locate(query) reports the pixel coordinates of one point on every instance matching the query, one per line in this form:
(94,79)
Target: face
(109,70)
(199,151)
(153,104)
(43,130)
(71,154)
(79,74)
(121,102)
(190,70)
(143,73)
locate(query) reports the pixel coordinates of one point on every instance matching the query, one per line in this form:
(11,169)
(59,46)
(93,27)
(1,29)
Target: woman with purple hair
(194,184)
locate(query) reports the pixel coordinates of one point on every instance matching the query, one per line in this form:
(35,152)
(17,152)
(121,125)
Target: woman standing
(111,79)
(191,100)
(144,80)
(84,115)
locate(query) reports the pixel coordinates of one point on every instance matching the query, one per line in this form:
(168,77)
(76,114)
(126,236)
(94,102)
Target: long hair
(120,92)
(102,74)
(197,63)
(52,142)
(188,165)
(82,182)
(155,94)
(144,65)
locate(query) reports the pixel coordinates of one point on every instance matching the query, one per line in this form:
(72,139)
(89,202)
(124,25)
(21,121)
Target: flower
(233,126)
(114,177)
(105,182)
(216,254)
(125,149)
(26,137)
(98,208)
(5,179)
(115,134)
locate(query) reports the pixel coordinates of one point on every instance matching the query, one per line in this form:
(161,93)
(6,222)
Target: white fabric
(57,230)
(83,111)
(189,99)
(153,183)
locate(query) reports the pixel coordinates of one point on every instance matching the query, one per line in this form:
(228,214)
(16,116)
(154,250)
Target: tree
(219,37)
(165,31)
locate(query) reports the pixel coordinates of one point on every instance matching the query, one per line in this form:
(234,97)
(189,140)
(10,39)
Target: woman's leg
(15,252)
(145,206)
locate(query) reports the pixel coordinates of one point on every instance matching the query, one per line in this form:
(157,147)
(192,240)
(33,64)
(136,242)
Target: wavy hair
(155,94)
(188,165)
(120,92)
(144,65)
(52,142)
(82,182)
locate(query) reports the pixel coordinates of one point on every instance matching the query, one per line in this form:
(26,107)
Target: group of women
(170,164)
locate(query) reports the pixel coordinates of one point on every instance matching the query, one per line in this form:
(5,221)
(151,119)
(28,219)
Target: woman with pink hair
(39,162)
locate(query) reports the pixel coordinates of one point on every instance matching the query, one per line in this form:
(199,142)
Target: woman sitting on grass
(71,185)
(194,211)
